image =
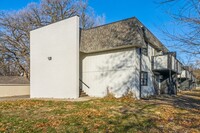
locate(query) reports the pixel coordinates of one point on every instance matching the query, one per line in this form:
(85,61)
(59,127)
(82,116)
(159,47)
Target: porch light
(49,58)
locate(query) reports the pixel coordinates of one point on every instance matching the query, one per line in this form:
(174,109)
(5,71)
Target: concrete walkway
(80,99)
(45,99)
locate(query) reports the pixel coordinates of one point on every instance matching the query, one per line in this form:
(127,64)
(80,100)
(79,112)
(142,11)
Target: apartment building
(117,58)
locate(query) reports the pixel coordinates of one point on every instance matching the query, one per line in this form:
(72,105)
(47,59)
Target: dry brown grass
(161,114)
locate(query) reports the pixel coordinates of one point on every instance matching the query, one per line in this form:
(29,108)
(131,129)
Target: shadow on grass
(186,100)
(142,119)
(137,117)
(195,93)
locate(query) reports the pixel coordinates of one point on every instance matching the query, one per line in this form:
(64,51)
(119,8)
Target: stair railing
(84,83)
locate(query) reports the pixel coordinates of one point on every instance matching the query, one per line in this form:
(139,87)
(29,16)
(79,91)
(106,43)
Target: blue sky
(147,11)
(14,4)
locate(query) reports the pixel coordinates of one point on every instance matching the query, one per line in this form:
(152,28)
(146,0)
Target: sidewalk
(45,99)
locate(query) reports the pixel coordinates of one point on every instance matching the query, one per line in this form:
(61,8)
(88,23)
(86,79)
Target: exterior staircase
(168,87)
(82,93)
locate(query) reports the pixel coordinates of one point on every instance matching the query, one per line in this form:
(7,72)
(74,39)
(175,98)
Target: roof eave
(110,49)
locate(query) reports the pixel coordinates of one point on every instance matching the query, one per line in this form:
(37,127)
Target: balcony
(166,62)
(185,74)
(179,67)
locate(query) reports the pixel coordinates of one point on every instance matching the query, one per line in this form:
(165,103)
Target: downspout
(140,71)
(140,52)
(170,74)
(176,83)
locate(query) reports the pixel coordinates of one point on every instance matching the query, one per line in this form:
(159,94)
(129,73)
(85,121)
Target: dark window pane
(144,78)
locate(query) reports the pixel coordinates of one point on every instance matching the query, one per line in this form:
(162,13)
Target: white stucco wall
(115,70)
(59,77)
(146,66)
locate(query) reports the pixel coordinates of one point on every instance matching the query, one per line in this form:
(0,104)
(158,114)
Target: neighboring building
(186,79)
(117,58)
(14,86)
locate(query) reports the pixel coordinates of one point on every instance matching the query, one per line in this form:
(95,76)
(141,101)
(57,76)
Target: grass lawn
(162,114)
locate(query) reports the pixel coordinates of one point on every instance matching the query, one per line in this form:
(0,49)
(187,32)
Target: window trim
(144,78)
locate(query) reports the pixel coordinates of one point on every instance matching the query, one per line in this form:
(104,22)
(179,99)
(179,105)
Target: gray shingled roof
(119,34)
(13,80)
(125,33)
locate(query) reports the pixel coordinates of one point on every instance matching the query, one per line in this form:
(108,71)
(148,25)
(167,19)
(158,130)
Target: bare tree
(186,33)
(16,25)
(8,67)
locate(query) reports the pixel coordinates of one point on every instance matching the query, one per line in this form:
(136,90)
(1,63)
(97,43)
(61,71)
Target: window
(145,50)
(144,78)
